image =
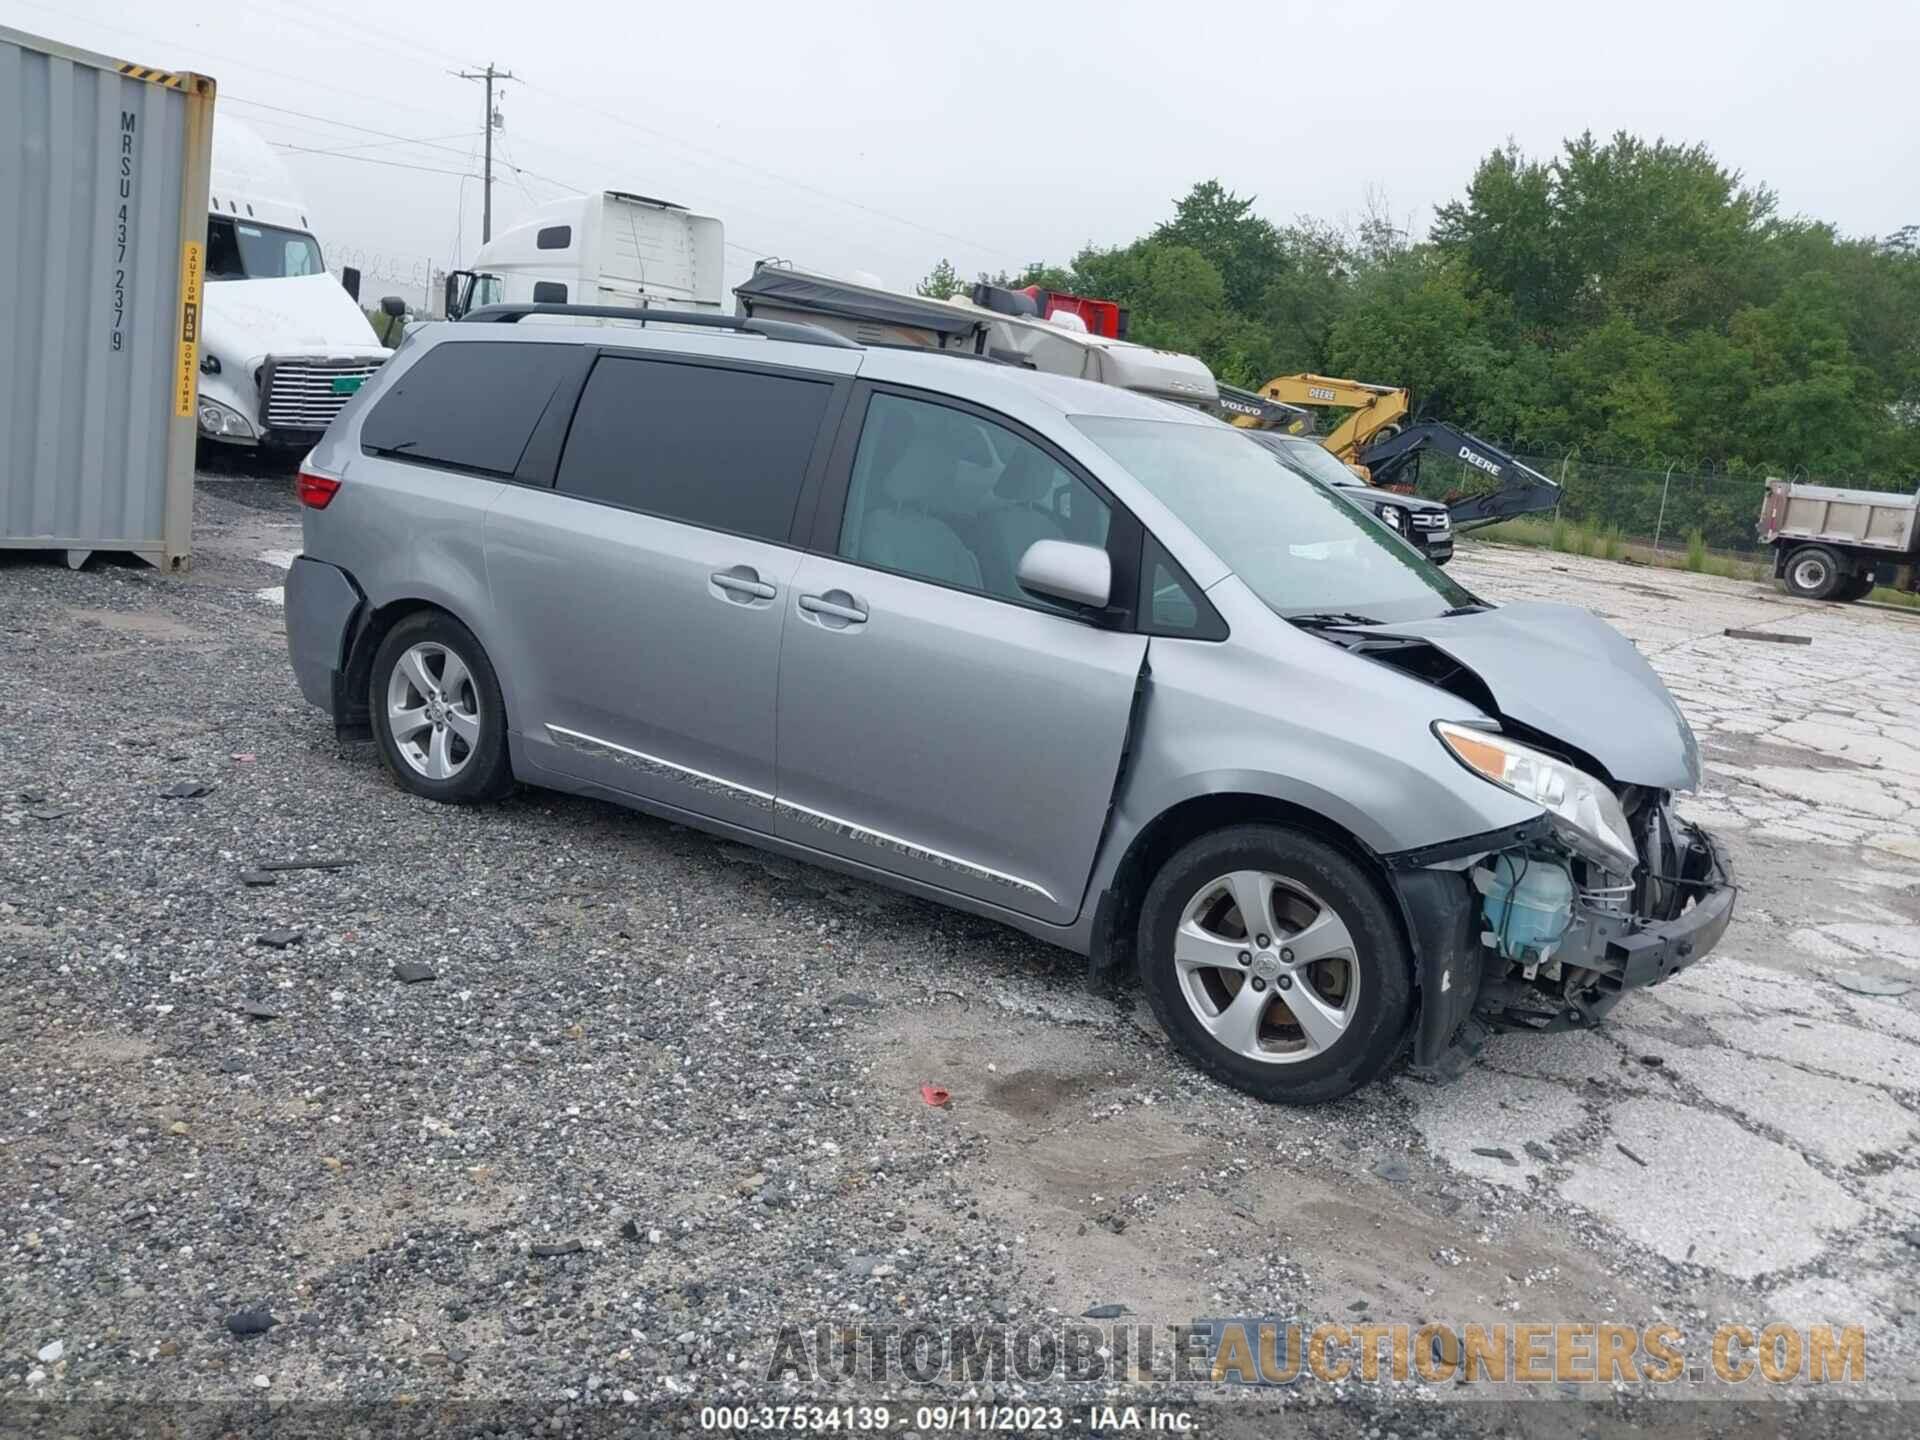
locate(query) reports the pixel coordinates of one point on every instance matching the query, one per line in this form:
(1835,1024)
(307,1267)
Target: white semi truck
(283,344)
(611,248)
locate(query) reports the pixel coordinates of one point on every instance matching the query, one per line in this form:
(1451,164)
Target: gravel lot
(696,1070)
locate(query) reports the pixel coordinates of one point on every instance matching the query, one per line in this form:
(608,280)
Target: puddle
(1036,1094)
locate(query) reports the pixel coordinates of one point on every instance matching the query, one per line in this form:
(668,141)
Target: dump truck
(1832,544)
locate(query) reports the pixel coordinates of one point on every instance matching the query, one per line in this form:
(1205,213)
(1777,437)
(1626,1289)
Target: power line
(390,101)
(349,150)
(173,43)
(466,154)
(374,160)
(296,14)
(768,174)
(347,125)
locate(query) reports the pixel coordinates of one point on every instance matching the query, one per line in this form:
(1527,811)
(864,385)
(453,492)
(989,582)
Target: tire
(455,749)
(1191,939)
(1814,572)
(1858,588)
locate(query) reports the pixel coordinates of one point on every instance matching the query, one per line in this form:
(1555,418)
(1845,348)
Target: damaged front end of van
(1547,925)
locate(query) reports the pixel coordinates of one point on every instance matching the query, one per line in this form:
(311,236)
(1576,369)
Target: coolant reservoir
(1527,904)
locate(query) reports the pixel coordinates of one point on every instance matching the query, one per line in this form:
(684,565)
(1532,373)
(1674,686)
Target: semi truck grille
(297,393)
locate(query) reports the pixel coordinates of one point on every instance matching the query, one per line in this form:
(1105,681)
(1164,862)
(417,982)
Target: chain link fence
(1661,506)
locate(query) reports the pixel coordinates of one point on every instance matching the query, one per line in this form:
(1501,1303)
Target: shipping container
(103,220)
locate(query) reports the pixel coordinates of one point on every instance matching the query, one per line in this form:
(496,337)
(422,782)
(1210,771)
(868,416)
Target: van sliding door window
(722,449)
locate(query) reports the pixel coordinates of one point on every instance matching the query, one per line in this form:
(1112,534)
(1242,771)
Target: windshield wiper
(1464,610)
(1315,619)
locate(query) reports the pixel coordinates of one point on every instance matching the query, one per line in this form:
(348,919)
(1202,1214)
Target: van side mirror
(1078,575)
(350,281)
(393,307)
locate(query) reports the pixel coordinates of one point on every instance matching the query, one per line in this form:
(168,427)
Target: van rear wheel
(437,711)
(1274,962)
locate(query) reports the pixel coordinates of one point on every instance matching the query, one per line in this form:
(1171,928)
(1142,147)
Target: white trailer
(1832,544)
(1058,345)
(613,248)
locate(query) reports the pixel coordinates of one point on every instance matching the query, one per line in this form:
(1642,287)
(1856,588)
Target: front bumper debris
(1650,954)
(1466,988)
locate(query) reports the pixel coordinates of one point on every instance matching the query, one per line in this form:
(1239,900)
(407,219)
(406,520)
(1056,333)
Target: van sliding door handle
(743,582)
(834,605)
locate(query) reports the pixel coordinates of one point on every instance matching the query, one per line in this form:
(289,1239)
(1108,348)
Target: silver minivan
(1091,664)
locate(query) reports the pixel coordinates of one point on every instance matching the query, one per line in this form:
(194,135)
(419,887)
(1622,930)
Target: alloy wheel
(1268,968)
(433,711)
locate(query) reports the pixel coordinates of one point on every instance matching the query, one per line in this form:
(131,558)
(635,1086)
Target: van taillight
(316,491)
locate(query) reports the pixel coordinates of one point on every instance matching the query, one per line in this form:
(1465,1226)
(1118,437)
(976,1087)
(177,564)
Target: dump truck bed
(1870,519)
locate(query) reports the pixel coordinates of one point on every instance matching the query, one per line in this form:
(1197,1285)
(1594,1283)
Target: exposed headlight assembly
(223,423)
(1585,813)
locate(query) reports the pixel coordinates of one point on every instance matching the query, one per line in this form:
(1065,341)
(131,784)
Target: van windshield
(1292,541)
(247,250)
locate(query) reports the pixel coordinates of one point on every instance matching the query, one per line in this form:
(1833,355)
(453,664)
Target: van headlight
(223,422)
(1585,813)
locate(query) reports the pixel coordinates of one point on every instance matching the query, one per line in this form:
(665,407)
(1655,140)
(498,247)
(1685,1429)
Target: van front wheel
(1275,963)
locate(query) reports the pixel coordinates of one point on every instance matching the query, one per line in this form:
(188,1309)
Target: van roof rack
(767,329)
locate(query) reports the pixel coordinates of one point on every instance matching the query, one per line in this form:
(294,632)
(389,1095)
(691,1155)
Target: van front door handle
(835,605)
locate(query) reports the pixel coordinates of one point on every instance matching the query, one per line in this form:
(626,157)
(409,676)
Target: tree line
(1626,298)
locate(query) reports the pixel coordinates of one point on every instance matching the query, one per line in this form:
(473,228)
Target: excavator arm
(1374,408)
(1395,461)
(1255,412)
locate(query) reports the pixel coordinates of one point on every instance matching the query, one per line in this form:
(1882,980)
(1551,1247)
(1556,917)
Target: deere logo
(1479,461)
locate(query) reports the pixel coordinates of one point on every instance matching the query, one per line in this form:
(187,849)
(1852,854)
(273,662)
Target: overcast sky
(882,136)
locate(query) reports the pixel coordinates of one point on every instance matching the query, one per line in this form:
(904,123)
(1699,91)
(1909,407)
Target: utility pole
(492,122)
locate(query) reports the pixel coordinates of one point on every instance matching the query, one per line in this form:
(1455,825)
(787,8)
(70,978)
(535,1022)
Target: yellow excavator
(1376,411)
(1378,443)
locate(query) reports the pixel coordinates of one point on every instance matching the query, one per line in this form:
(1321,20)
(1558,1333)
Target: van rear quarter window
(471,406)
(723,449)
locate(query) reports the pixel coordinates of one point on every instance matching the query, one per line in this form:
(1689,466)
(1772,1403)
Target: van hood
(1569,675)
(244,321)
